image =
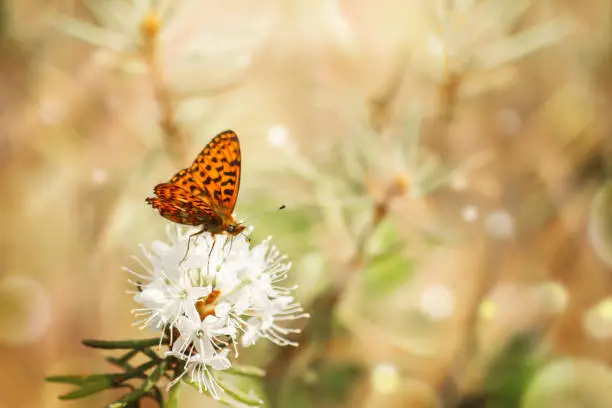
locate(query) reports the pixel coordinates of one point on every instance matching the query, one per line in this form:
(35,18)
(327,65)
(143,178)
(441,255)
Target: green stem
(173,396)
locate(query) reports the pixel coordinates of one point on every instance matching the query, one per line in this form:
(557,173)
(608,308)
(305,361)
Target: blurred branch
(396,188)
(173,138)
(380,105)
(324,304)
(318,332)
(450,393)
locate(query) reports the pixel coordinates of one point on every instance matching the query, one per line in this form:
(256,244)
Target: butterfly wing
(185,180)
(216,172)
(180,206)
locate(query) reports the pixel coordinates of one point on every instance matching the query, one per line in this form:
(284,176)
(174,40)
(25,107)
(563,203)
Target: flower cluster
(223,294)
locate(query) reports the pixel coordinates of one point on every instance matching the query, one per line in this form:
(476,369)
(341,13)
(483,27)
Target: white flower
(214,298)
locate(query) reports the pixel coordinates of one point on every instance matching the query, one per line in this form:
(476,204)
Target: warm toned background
(446,167)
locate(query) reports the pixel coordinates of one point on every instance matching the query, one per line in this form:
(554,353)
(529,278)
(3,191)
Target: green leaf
(246,371)
(511,372)
(119,363)
(386,274)
(329,387)
(173,397)
(570,382)
(144,389)
(91,386)
(600,223)
(337,379)
(236,395)
(121,344)
(384,238)
(92,34)
(67,379)
(250,400)
(80,379)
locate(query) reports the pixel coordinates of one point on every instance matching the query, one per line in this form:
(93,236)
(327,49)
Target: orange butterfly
(205,194)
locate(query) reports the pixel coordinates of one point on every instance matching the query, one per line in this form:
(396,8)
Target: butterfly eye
(230,229)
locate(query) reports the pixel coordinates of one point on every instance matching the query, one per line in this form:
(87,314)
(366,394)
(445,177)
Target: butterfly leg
(195,234)
(210,254)
(187,251)
(228,238)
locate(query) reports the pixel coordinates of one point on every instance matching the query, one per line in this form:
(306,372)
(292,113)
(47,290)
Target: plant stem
(172,401)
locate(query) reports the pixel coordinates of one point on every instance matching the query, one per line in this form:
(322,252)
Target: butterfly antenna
(249,239)
(282,207)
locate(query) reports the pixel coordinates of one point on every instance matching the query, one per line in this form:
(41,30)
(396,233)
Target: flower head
(225,293)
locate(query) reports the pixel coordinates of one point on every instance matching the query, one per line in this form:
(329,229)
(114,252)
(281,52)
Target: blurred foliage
(331,386)
(511,372)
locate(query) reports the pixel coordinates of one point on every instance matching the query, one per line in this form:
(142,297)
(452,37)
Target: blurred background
(446,167)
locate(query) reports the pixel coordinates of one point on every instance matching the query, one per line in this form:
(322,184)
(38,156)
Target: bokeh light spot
(50,111)
(509,121)
(385,378)
(597,321)
(487,310)
(469,213)
(99,176)
(437,302)
(459,182)
(278,136)
(554,297)
(500,224)
(24,310)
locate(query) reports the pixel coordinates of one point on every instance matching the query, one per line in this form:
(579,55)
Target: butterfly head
(234,228)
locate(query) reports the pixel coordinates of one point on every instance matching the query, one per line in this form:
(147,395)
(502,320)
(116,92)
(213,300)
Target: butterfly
(205,194)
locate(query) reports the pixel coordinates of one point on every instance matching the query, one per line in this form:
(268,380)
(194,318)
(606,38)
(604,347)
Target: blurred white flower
(219,297)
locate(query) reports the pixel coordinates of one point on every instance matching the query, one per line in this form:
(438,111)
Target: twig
(324,303)
(450,393)
(173,138)
(380,105)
